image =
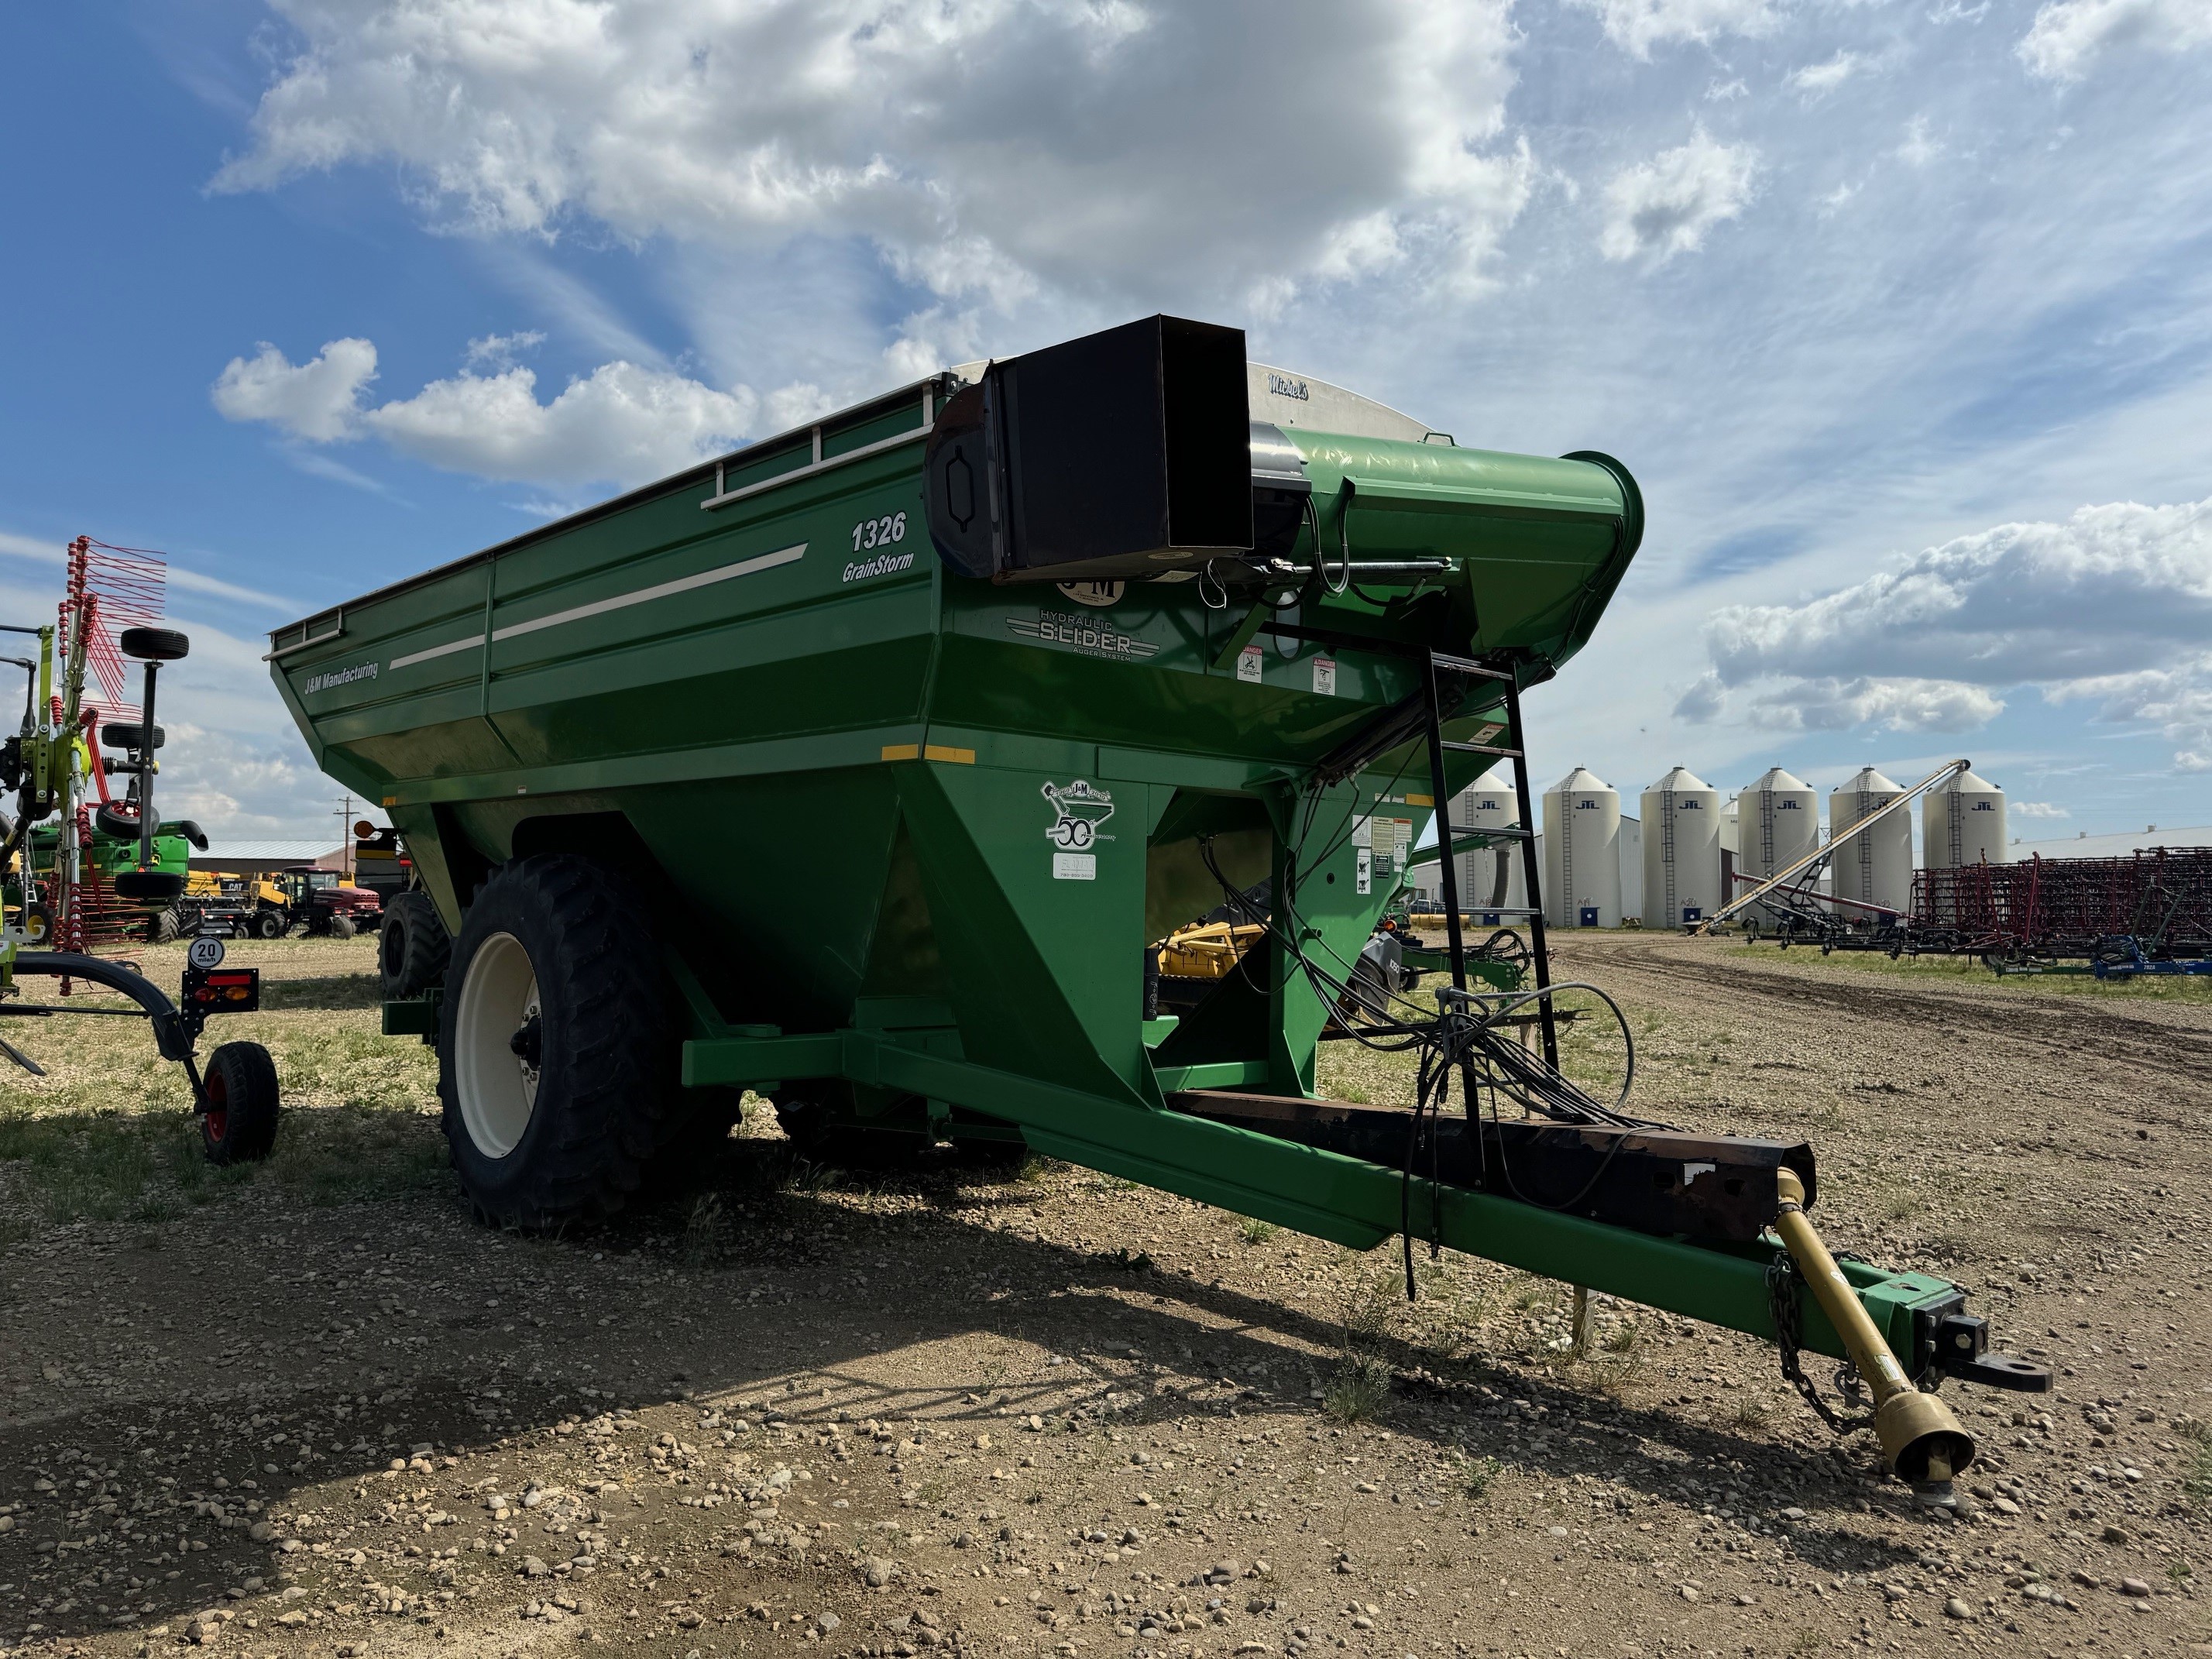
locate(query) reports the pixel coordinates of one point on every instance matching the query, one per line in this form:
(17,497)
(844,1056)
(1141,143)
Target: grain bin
(1682,850)
(1491,879)
(1582,852)
(1875,867)
(1964,823)
(1778,821)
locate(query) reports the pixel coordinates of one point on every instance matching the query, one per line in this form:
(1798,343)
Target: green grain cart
(860,768)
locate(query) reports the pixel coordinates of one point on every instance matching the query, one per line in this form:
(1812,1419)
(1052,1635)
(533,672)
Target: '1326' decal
(879,532)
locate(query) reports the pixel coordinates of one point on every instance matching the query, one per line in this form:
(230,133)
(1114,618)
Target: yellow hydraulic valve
(1921,1441)
(1206,950)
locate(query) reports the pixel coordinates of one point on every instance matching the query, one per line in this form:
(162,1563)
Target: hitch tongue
(1921,1441)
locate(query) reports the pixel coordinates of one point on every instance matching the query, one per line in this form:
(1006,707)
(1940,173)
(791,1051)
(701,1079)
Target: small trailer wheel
(123,826)
(240,1125)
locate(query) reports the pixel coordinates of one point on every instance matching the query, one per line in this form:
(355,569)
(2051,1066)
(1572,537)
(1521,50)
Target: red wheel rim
(215,1123)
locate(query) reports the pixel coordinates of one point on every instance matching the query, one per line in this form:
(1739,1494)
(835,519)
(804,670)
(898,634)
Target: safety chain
(1782,1282)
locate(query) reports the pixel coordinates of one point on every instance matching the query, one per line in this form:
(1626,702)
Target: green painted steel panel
(914,830)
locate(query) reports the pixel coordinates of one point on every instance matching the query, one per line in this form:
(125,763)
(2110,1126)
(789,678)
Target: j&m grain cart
(860,768)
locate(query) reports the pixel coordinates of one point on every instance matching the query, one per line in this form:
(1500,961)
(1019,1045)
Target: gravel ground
(309,1409)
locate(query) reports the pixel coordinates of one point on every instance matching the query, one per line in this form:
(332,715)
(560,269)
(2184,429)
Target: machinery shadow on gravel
(935,1271)
(756,1188)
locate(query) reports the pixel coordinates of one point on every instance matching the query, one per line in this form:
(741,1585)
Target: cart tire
(412,947)
(172,925)
(551,964)
(269,924)
(342,927)
(239,1125)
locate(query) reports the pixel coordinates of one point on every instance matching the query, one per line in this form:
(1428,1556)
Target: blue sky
(1899,313)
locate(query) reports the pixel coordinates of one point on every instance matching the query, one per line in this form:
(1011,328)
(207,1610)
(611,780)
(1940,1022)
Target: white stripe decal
(446,650)
(621,601)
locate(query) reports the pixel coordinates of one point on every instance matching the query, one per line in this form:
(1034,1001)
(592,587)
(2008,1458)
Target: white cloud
(1638,26)
(1662,207)
(2035,809)
(1830,704)
(1816,78)
(621,424)
(2111,606)
(319,400)
(2068,36)
(983,146)
(797,404)
(2176,698)
(498,351)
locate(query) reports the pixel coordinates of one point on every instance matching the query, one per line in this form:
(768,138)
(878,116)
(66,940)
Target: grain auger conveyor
(858,768)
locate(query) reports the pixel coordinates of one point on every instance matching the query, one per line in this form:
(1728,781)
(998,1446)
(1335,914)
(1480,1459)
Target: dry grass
(1968,970)
(107,1135)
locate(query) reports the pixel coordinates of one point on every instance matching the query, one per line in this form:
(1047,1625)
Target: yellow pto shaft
(1921,1441)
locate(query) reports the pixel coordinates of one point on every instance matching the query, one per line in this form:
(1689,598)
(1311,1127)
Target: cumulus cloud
(983,145)
(621,424)
(2176,698)
(2035,809)
(1662,207)
(319,400)
(2114,606)
(2068,36)
(1637,26)
(1830,704)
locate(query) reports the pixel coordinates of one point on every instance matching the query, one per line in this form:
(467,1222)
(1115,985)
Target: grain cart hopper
(860,767)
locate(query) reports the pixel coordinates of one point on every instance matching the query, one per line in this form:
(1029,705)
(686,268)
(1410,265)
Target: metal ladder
(1448,833)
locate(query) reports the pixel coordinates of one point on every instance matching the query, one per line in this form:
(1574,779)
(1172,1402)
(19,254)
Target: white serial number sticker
(1075,866)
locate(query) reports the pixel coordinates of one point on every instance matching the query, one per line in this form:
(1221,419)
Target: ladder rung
(1461,666)
(1481,748)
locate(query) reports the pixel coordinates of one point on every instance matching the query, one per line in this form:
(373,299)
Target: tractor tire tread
(602,1107)
(412,946)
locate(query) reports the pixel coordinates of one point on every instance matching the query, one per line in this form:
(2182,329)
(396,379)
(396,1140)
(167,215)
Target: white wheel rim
(497,1088)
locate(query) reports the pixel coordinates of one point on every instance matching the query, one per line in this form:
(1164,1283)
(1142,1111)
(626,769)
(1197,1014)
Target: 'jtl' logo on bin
(1079,809)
